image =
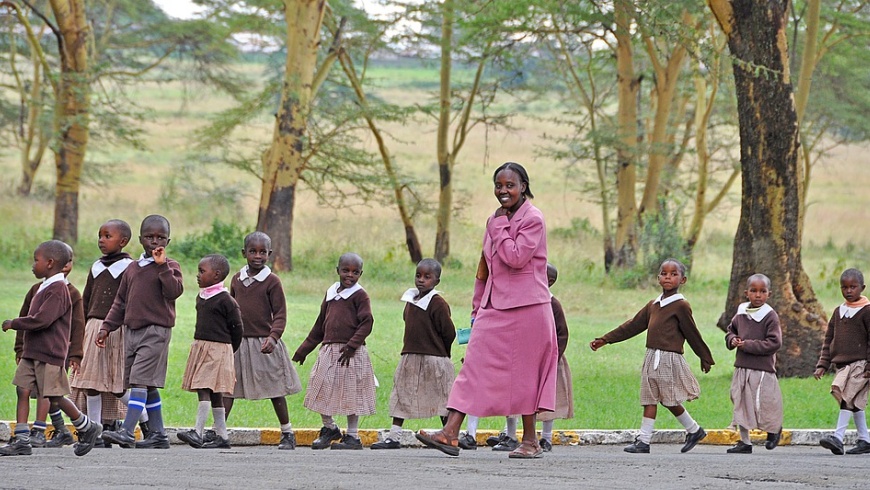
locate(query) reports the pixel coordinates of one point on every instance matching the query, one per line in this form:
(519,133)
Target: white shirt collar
(143,261)
(260,277)
(670,299)
(757,315)
(115,269)
(847,312)
(422,303)
(51,280)
(334,294)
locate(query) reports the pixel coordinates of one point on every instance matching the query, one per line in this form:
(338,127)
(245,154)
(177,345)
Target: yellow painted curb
(730,437)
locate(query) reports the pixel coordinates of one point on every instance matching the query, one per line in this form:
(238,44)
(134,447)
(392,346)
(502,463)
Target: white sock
(547,430)
(471,425)
(395,432)
(510,427)
(220,421)
(353,425)
(860,418)
(328,421)
(842,424)
(744,435)
(647,425)
(202,416)
(288,427)
(688,422)
(95,408)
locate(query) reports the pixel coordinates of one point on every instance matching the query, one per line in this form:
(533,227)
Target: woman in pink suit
(510,362)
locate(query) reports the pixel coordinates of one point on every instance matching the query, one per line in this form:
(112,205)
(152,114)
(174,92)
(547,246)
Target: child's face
(349,272)
(509,188)
(257,254)
(153,235)
(551,279)
(670,278)
(851,288)
(425,279)
(110,240)
(206,274)
(757,293)
(43,266)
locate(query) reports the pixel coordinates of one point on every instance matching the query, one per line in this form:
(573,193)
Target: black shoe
(493,441)
(692,439)
(326,437)
(638,447)
(546,445)
(385,444)
(347,442)
(218,443)
(145,429)
(467,442)
(209,435)
(191,437)
(288,440)
(506,444)
(773,439)
(120,437)
(832,443)
(60,439)
(861,447)
(87,438)
(37,438)
(740,448)
(155,440)
(17,447)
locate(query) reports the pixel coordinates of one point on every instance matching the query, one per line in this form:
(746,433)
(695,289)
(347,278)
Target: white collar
(847,312)
(115,269)
(143,261)
(334,294)
(670,299)
(422,303)
(260,277)
(51,280)
(757,315)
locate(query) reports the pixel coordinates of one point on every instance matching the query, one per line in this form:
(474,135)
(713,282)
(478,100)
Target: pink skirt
(510,363)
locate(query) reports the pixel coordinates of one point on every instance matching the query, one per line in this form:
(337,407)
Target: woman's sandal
(440,442)
(527,450)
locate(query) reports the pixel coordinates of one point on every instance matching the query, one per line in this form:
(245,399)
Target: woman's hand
(347,353)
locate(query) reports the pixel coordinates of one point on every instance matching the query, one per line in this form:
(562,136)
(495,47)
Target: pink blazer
(515,251)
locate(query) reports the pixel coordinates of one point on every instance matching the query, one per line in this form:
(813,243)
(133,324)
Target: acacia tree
(769,231)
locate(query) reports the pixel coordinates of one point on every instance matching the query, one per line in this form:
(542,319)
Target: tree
(768,234)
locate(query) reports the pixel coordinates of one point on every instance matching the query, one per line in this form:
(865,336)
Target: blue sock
(134,408)
(155,411)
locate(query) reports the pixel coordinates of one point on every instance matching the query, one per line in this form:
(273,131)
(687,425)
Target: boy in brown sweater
(42,368)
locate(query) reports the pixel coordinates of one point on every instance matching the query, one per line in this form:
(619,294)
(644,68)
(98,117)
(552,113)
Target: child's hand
(818,373)
(268,346)
(705,366)
(298,358)
(74,366)
(159,255)
(347,352)
(866,374)
(7,324)
(101,339)
(736,342)
(597,344)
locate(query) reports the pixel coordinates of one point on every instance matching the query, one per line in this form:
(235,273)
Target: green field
(606,383)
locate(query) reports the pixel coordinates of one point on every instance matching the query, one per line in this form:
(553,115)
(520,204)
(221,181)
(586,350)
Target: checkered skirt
(341,390)
(667,380)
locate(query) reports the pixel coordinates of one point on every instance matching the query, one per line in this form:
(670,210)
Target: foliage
(223,238)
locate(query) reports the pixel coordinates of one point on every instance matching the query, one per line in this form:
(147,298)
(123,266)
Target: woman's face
(509,189)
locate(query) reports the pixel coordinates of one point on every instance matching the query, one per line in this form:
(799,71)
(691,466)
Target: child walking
(564,380)
(665,376)
(145,303)
(846,347)
(218,333)
(342,381)
(755,333)
(425,373)
(263,367)
(42,368)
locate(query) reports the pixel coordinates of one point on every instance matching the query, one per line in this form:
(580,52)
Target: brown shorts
(42,378)
(147,355)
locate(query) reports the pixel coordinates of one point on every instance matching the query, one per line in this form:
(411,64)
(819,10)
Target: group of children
(237,352)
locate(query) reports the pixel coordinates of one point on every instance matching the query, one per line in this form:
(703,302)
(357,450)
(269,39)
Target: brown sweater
(218,319)
(47,325)
(346,321)
(847,340)
(263,305)
(429,332)
(761,341)
(561,326)
(77,330)
(668,329)
(100,291)
(146,296)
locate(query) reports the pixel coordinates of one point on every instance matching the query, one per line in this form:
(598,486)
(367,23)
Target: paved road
(706,467)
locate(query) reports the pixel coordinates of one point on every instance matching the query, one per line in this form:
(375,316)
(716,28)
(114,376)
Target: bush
(223,238)
(660,238)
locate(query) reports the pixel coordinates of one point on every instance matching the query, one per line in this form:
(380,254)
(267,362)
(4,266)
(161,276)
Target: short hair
(56,250)
(758,277)
(124,227)
(680,266)
(432,264)
(258,236)
(152,218)
(552,271)
(524,176)
(220,264)
(351,257)
(852,274)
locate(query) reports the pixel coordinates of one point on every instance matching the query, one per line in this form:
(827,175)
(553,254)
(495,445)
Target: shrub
(223,238)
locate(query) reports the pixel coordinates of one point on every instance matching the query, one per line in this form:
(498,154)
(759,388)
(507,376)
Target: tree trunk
(71,118)
(768,234)
(285,160)
(445,158)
